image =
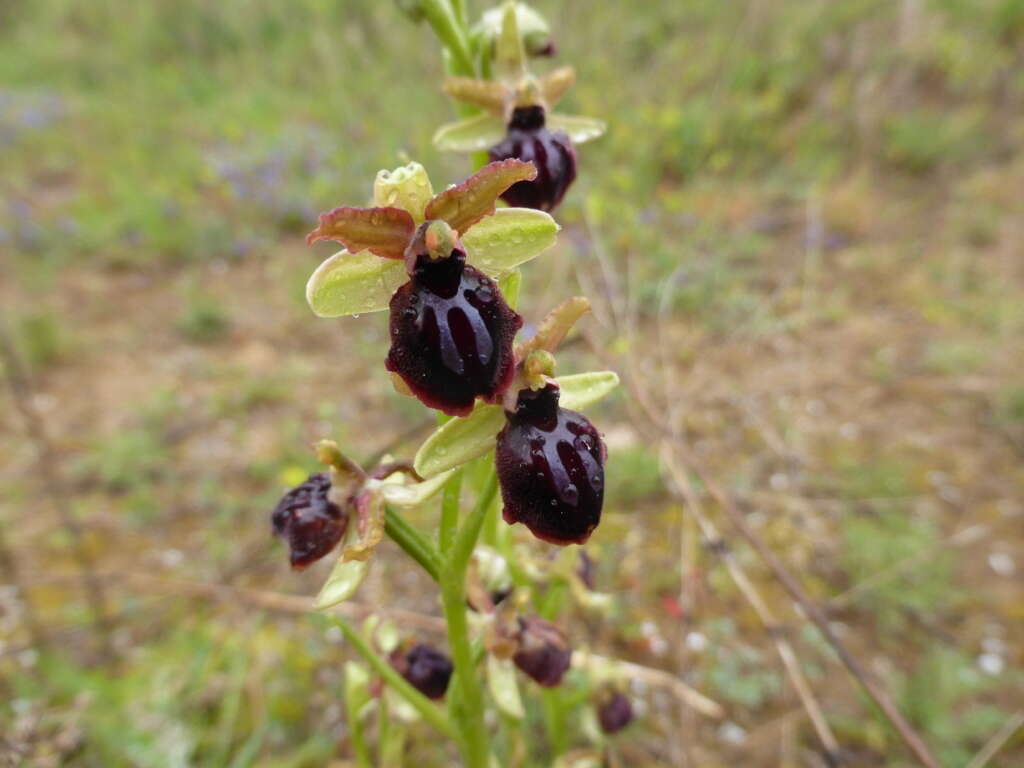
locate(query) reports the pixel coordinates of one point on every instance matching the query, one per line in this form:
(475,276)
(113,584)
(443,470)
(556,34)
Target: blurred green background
(804,235)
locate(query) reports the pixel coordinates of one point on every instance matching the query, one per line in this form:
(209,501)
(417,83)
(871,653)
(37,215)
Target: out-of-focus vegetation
(809,211)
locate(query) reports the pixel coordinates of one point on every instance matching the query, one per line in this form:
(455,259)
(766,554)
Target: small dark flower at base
(451,334)
(425,668)
(552,153)
(543,652)
(308,521)
(550,464)
(614,712)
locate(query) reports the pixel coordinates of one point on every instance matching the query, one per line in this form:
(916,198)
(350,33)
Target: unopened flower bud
(614,712)
(310,523)
(425,668)
(543,652)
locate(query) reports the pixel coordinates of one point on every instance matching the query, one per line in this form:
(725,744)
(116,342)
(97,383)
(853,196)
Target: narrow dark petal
(451,337)
(308,521)
(550,465)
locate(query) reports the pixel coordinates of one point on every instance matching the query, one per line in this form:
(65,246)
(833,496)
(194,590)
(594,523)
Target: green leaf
(461,440)
(463,205)
(473,134)
(406,187)
(341,584)
(512,236)
(579,128)
(501,680)
(352,283)
(383,231)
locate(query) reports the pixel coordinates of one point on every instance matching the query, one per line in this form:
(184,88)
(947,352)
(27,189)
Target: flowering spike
(383,231)
(465,204)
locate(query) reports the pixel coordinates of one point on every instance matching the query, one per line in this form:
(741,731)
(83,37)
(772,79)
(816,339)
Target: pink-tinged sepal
(382,231)
(465,204)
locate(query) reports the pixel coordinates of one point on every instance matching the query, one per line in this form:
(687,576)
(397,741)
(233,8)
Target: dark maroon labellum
(451,335)
(551,469)
(528,139)
(308,521)
(543,651)
(426,668)
(615,712)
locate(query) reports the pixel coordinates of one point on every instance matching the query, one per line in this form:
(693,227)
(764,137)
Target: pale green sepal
(501,680)
(461,440)
(532,26)
(509,53)
(582,389)
(341,584)
(354,283)
(470,135)
(512,236)
(510,283)
(413,494)
(579,128)
(407,187)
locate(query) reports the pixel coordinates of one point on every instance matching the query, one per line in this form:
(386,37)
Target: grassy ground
(804,235)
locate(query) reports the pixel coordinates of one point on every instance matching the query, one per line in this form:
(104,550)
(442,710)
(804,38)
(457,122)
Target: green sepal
(580,129)
(474,134)
(461,440)
(353,283)
(345,578)
(504,688)
(413,494)
(508,238)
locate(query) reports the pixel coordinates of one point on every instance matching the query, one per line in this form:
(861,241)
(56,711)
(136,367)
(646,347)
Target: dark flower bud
(542,651)
(451,329)
(614,712)
(550,464)
(425,668)
(528,140)
(309,521)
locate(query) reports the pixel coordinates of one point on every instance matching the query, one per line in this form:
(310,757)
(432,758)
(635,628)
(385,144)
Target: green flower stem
(413,542)
(452,34)
(427,709)
(469,715)
(450,511)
